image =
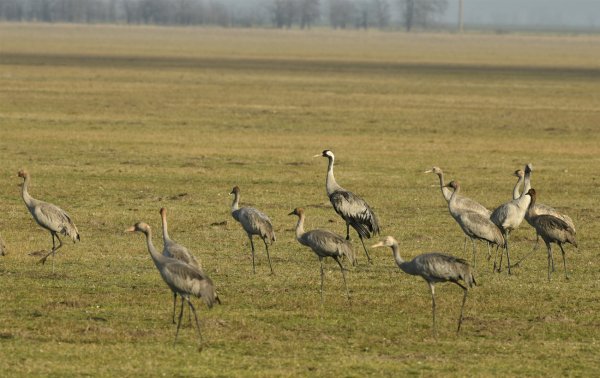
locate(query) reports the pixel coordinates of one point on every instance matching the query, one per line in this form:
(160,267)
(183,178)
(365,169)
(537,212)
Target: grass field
(115,122)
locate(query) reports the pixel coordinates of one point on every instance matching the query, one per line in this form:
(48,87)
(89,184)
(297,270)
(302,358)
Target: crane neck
(330,184)
(397,257)
(235,205)
(446,192)
(516,193)
(300,226)
(527,184)
(156,257)
(530,208)
(164,227)
(453,197)
(25,193)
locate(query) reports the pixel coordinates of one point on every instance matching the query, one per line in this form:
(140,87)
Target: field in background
(115,122)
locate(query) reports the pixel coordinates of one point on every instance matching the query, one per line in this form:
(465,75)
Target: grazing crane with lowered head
(353,209)
(435,267)
(175,251)
(254,222)
(474,225)
(324,244)
(49,216)
(552,230)
(537,209)
(509,216)
(463,203)
(183,279)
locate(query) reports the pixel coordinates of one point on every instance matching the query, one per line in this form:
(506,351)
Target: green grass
(115,122)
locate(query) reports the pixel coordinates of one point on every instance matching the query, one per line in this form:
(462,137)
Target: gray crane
(353,209)
(435,267)
(183,279)
(49,216)
(324,244)
(475,225)
(176,251)
(552,230)
(508,217)
(462,202)
(254,222)
(537,209)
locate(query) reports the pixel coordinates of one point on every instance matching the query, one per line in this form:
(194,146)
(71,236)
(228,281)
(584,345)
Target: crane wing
(55,219)
(181,253)
(256,222)
(187,279)
(327,244)
(356,212)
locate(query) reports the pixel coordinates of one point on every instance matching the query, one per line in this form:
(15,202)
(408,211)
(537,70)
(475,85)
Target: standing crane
(254,222)
(509,216)
(324,244)
(537,209)
(435,267)
(49,216)
(183,279)
(552,230)
(462,202)
(474,225)
(353,209)
(175,251)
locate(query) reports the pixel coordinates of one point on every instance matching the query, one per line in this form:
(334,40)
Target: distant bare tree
(309,12)
(381,10)
(420,12)
(284,12)
(341,13)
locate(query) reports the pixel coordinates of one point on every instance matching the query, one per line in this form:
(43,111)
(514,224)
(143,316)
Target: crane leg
(460,319)
(365,248)
(474,252)
(549,259)
(322,274)
(465,245)
(252,246)
(507,253)
(174,305)
(178,322)
(496,258)
(197,324)
(343,276)
(268,257)
(432,288)
(347,231)
(489,255)
(564,260)
(535,247)
(53,251)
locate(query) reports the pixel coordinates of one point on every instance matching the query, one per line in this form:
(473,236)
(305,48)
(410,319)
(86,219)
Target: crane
(462,202)
(176,251)
(254,222)
(324,244)
(434,267)
(183,279)
(49,216)
(552,230)
(473,224)
(537,209)
(2,247)
(509,216)
(353,209)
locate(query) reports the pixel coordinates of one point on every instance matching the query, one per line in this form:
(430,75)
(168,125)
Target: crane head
(325,153)
(235,190)
(519,173)
(297,211)
(387,242)
(23,173)
(163,211)
(452,184)
(528,168)
(531,193)
(140,227)
(436,170)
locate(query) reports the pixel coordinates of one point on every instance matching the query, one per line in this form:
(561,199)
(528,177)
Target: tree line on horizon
(338,14)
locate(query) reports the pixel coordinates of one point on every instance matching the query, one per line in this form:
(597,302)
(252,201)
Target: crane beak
(292,213)
(428,171)
(377,245)
(317,155)
(130,229)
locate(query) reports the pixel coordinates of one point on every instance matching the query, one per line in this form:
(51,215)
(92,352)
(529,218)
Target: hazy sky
(584,13)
